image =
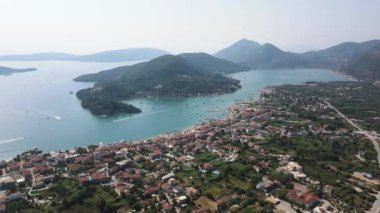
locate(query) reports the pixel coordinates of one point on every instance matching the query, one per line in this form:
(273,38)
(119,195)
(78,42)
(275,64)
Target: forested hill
(166,76)
(267,56)
(365,67)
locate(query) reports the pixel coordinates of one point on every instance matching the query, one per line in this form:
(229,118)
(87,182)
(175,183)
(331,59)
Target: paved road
(366,133)
(376,205)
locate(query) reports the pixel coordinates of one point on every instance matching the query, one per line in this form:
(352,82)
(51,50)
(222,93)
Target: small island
(9,71)
(104,107)
(165,76)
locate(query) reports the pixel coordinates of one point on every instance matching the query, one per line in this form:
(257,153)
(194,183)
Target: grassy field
(205,203)
(189,176)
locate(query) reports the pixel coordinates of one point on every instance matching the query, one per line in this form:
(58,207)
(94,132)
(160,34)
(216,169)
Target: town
(287,152)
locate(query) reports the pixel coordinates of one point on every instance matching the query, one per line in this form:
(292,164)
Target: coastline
(196,122)
(350,77)
(148,140)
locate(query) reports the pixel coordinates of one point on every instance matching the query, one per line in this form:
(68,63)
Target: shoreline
(350,77)
(224,116)
(148,140)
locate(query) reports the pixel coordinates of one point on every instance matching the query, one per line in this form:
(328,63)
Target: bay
(40,109)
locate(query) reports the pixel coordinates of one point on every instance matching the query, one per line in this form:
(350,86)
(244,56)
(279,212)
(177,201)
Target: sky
(85,26)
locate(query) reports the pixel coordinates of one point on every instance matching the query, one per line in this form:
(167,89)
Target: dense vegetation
(169,76)
(328,149)
(366,66)
(69,196)
(357,100)
(103,106)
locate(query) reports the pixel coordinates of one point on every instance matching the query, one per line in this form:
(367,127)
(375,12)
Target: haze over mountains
(366,66)
(131,54)
(342,57)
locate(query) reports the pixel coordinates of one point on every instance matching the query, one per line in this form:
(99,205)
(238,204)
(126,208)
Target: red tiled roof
(307,199)
(167,206)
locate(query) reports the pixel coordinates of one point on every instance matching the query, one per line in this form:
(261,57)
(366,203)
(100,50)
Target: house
(122,164)
(181,199)
(266,186)
(206,167)
(123,188)
(19,178)
(308,199)
(39,184)
(192,192)
(168,208)
(155,155)
(13,166)
(150,190)
(27,174)
(98,178)
(168,176)
(7,182)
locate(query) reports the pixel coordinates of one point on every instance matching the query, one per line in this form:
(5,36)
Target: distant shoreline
(352,78)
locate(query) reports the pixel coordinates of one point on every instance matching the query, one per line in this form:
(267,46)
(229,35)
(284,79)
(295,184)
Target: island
(9,71)
(186,75)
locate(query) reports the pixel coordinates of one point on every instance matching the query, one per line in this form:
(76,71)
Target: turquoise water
(37,109)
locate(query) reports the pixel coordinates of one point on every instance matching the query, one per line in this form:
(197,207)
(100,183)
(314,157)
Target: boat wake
(51,116)
(12,140)
(137,116)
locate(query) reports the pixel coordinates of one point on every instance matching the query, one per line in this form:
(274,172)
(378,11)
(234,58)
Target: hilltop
(266,56)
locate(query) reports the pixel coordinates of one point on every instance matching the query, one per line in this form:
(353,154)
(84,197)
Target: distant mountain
(341,54)
(132,54)
(38,57)
(239,52)
(7,70)
(366,66)
(165,76)
(268,56)
(212,64)
(265,56)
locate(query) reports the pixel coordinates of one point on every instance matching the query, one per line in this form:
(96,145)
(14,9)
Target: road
(366,133)
(376,205)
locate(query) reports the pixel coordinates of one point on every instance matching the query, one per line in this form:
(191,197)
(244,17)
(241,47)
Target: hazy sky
(82,26)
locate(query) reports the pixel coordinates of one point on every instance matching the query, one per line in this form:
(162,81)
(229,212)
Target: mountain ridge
(129,54)
(268,56)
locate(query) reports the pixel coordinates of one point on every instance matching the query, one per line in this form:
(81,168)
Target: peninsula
(8,70)
(166,76)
